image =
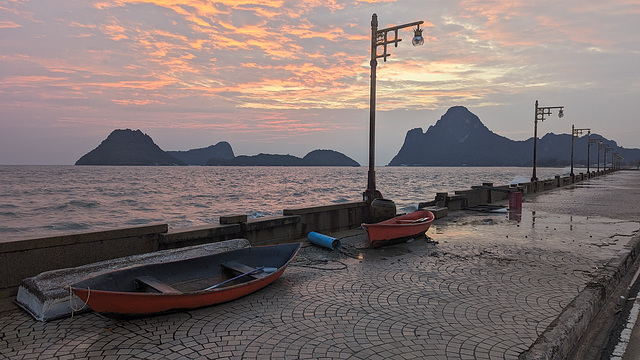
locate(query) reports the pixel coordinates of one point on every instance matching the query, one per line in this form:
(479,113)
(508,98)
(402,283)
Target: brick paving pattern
(484,288)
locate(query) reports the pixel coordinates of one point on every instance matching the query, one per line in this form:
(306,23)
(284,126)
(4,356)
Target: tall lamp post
(381,38)
(604,162)
(599,148)
(575,132)
(540,116)
(619,161)
(589,142)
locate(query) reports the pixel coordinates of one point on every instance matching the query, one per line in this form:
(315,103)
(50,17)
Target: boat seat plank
(243,269)
(402,221)
(157,285)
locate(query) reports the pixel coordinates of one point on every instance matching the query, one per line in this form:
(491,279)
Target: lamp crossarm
(392,28)
(579,131)
(382,38)
(545,110)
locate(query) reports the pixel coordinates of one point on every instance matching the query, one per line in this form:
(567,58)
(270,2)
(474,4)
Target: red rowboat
(398,228)
(185,284)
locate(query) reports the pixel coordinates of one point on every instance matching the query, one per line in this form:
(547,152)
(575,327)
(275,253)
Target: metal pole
(573,131)
(535,140)
(599,146)
(588,148)
(370,194)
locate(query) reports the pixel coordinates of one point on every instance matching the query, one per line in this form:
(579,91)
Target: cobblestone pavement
(482,286)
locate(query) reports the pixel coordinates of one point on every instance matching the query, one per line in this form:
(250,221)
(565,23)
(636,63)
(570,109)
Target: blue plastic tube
(324,240)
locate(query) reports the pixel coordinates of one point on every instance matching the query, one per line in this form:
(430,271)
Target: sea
(40,201)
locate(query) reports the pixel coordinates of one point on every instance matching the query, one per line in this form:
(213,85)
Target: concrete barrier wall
(331,218)
(486,194)
(21,259)
(25,258)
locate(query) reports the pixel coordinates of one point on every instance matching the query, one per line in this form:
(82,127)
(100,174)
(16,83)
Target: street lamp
(575,132)
(381,38)
(619,161)
(600,146)
(540,114)
(604,162)
(589,142)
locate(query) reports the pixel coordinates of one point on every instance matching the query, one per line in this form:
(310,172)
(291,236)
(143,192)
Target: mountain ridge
(459,138)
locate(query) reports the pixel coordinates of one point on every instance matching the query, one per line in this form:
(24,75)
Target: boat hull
(399,228)
(118,294)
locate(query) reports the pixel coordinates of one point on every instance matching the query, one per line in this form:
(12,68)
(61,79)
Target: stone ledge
(79,238)
(335,207)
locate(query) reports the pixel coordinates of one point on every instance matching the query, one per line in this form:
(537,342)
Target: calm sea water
(49,200)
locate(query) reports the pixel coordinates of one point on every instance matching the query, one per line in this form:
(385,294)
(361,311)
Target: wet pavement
(482,286)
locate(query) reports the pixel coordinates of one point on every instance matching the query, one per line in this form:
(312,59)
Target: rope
(71,301)
(344,266)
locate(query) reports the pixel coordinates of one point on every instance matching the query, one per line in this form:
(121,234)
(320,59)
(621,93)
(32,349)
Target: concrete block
(199,235)
(233,219)
(438,212)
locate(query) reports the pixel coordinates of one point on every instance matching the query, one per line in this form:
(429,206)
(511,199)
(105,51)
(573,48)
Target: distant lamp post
(575,132)
(541,112)
(599,148)
(604,162)
(589,142)
(619,161)
(381,38)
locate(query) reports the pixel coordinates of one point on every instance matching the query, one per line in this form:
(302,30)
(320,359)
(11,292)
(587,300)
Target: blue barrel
(324,240)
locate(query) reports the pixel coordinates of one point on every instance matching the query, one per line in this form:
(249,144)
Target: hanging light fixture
(417,36)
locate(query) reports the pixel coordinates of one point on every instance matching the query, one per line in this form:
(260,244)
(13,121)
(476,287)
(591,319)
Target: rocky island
(129,147)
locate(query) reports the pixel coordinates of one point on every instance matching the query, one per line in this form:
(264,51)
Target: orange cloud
(4,24)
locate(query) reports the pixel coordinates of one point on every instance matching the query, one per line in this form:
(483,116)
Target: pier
(483,285)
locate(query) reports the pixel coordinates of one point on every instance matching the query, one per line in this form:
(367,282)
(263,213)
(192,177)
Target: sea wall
(21,259)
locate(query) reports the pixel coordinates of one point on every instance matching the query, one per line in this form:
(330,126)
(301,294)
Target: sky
(293,76)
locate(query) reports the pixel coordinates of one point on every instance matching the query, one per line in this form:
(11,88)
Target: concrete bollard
(515,200)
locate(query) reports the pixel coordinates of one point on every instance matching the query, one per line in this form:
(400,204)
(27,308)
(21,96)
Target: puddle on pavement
(535,227)
(530,228)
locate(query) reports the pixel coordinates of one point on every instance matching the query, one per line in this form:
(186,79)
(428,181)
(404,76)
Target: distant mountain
(314,158)
(328,158)
(260,160)
(128,147)
(221,150)
(459,138)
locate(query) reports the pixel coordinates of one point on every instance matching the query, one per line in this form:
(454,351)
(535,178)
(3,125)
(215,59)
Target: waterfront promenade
(484,286)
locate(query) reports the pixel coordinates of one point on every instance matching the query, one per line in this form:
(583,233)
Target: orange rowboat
(185,284)
(398,228)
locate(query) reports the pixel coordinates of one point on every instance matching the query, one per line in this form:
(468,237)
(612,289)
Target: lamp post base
(369,195)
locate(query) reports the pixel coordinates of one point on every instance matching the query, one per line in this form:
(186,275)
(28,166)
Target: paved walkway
(485,287)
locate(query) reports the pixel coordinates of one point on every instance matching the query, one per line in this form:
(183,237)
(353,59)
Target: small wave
(6,229)
(84,203)
(64,226)
(407,209)
(259,214)
(139,221)
(519,180)
(9,214)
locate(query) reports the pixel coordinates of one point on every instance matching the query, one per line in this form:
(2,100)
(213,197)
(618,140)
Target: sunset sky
(292,76)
